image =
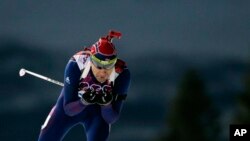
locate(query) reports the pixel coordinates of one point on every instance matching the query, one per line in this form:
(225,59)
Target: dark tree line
(243,100)
(192,115)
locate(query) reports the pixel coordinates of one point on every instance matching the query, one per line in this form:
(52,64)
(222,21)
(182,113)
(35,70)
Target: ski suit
(70,111)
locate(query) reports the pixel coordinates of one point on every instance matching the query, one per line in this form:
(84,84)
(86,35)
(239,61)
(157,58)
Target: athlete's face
(101,74)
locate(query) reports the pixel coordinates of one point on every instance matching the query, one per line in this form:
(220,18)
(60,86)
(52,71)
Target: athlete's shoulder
(81,58)
(85,53)
(120,66)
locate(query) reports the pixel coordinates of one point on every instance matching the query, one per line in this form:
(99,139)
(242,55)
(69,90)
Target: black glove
(104,99)
(87,97)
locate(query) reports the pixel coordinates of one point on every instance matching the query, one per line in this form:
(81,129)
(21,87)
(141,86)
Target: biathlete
(96,84)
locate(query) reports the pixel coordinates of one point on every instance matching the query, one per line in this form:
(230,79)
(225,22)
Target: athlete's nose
(103,72)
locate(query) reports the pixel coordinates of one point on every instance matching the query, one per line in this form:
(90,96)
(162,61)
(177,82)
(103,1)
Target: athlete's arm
(111,112)
(72,103)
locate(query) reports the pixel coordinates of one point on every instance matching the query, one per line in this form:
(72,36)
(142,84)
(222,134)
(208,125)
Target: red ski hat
(103,52)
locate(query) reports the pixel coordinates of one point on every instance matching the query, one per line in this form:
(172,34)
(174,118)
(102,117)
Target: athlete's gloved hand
(87,97)
(104,99)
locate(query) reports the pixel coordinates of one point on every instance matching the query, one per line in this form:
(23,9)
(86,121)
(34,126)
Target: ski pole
(23,71)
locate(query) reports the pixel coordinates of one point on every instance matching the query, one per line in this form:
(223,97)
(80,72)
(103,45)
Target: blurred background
(189,62)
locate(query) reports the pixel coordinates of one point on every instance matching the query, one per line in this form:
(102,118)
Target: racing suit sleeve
(111,112)
(72,104)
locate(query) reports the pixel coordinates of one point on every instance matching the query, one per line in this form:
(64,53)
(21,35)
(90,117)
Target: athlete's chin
(101,79)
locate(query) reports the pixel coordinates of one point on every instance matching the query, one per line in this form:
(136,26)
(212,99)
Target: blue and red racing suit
(69,109)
